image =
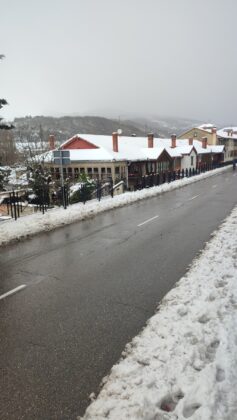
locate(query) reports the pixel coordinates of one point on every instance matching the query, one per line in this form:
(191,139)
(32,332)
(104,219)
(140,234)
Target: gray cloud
(163,57)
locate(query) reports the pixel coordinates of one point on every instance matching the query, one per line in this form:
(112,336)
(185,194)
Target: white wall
(186,161)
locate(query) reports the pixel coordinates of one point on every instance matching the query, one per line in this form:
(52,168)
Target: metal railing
(155,179)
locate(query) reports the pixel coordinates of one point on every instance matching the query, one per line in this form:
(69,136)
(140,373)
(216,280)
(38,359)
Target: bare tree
(8,153)
(3,102)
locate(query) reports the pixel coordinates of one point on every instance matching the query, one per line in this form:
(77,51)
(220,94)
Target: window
(96,170)
(89,171)
(103,170)
(191,160)
(117,170)
(149,167)
(108,170)
(82,170)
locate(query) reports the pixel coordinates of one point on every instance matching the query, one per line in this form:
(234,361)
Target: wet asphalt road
(90,287)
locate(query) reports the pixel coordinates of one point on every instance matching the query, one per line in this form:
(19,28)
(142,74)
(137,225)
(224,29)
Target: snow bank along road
(184,363)
(29,225)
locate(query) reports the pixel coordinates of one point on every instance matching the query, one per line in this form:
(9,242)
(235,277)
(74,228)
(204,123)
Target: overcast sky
(118,57)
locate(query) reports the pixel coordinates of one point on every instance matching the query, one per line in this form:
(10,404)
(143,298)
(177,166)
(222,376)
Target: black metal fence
(155,179)
(16,204)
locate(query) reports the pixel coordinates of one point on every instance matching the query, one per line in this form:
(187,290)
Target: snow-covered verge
(12,230)
(184,363)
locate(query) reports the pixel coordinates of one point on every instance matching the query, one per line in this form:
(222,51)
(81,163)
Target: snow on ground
(26,226)
(183,364)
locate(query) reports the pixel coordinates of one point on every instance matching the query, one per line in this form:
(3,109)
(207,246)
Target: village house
(116,157)
(228,137)
(112,158)
(204,130)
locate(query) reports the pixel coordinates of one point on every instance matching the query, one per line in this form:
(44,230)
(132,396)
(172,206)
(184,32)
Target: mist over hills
(67,126)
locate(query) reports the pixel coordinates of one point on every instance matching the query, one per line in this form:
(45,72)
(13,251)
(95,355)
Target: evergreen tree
(39,182)
(3,102)
(84,192)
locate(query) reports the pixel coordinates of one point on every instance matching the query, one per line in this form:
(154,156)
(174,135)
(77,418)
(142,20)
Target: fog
(119,57)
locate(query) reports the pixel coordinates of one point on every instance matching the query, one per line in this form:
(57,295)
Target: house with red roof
(117,157)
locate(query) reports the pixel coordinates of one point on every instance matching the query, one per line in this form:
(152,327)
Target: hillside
(66,127)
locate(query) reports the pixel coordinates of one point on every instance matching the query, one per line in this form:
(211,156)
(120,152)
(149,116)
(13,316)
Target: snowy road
(90,287)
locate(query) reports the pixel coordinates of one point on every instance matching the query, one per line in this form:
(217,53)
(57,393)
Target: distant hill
(66,127)
(165,126)
(39,127)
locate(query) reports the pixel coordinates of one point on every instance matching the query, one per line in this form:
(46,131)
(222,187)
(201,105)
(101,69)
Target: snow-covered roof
(206,127)
(217,149)
(31,146)
(197,144)
(228,133)
(135,148)
(130,149)
(185,149)
(153,152)
(91,154)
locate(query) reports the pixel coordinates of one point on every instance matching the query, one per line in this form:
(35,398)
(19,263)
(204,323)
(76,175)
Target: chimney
(51,142)
(190,141)
(214,135)
(204,142)
(115,141)
(173,140)
(150,138)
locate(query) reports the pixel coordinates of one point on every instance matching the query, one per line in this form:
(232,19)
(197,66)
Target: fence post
(17,205)
(98,191)
(151,180)
(111,188)
(158,179)
(14,204)
(10,202)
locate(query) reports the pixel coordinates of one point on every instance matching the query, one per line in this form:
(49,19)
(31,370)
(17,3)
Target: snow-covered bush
(82,191)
